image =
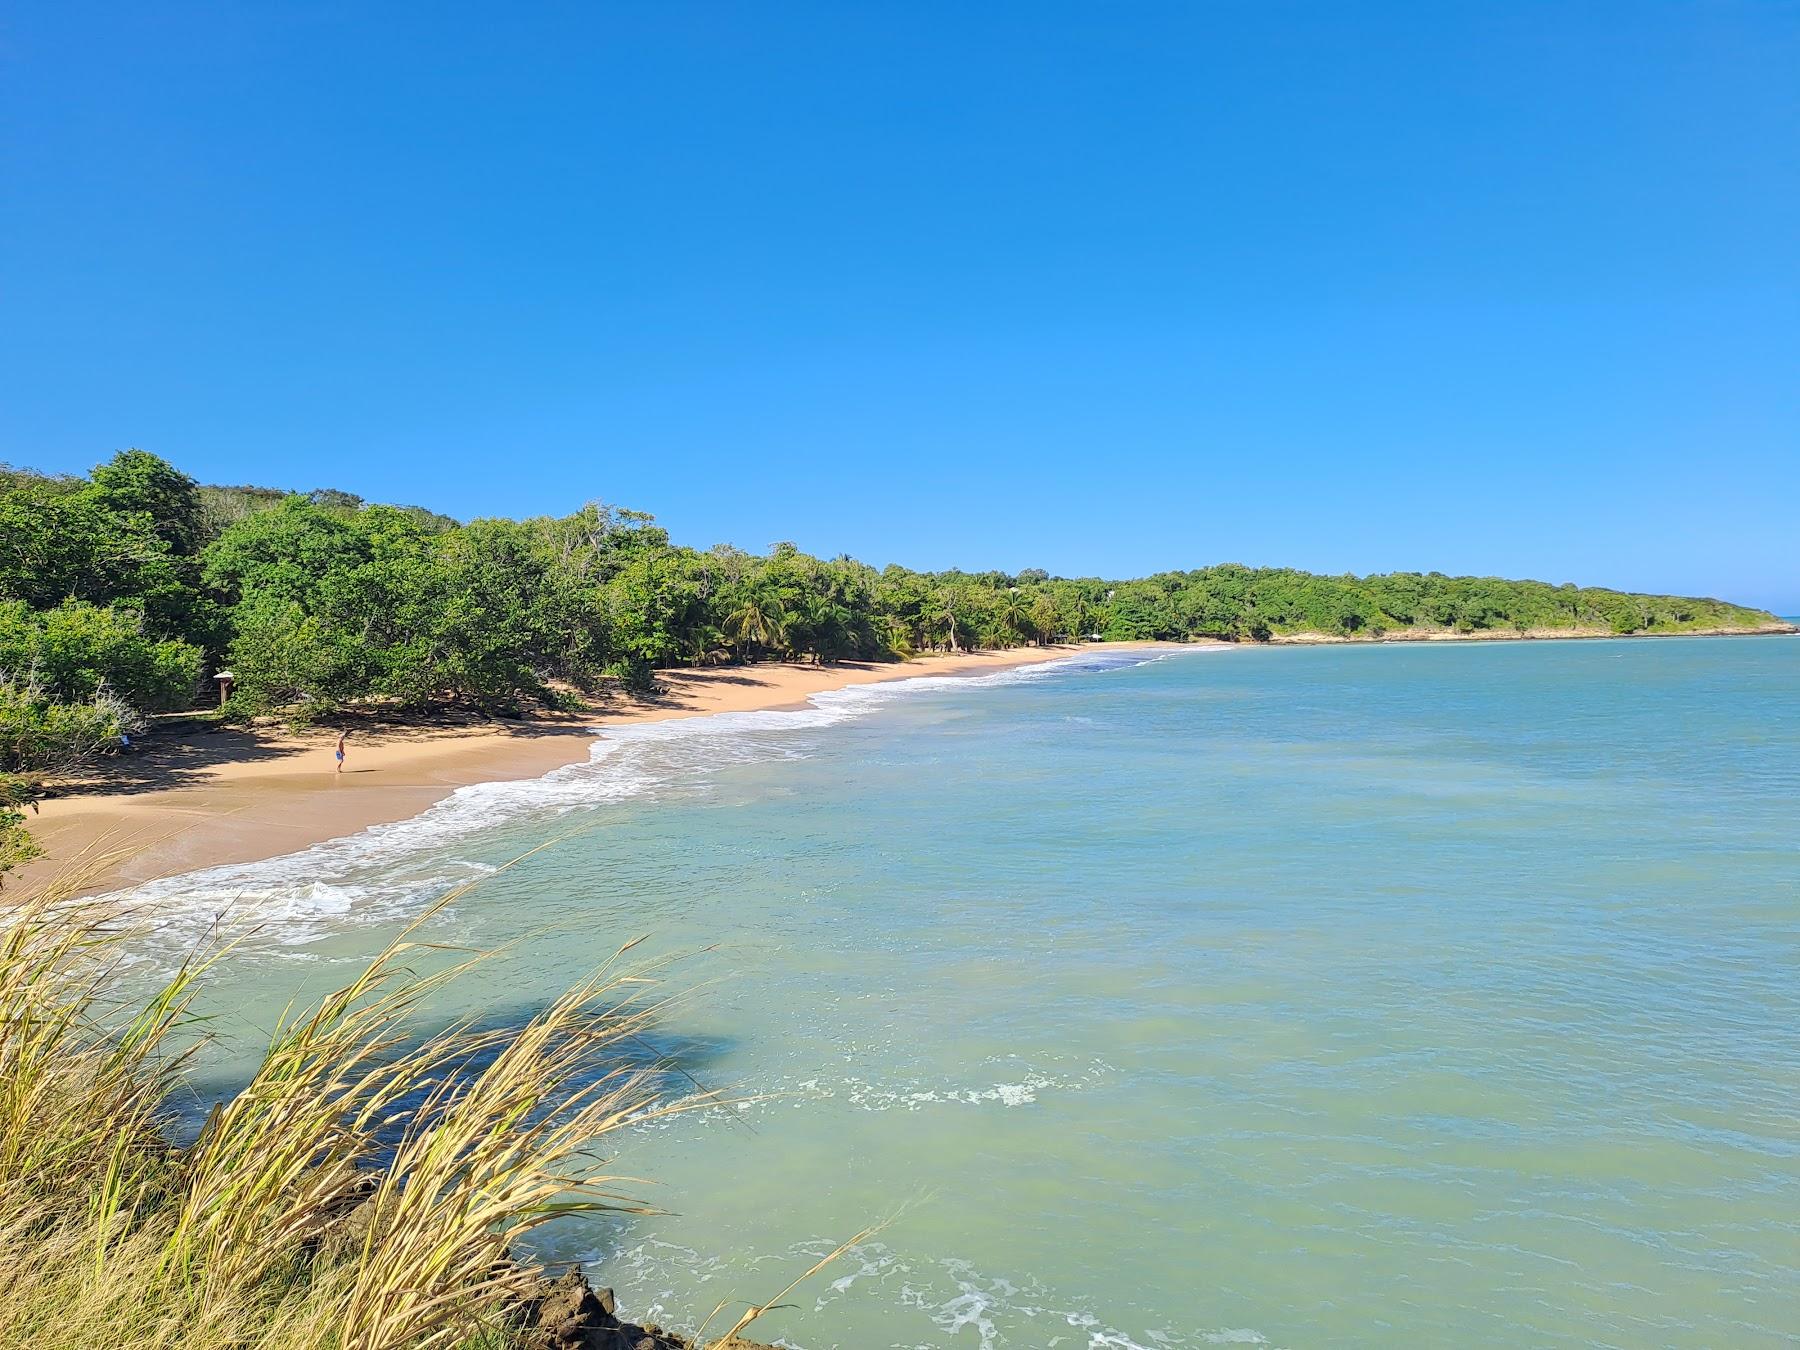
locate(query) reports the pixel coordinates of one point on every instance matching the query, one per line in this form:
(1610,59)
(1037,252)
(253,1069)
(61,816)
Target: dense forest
(123,593)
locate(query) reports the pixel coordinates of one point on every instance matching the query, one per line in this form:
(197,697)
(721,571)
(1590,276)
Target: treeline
(125,592)
(1259,603)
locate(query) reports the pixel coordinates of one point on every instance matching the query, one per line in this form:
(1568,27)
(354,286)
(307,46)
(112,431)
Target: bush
(40,735)
(16,793)
(72,652)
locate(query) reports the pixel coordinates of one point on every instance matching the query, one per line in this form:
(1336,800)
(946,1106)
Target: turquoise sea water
(1367,996)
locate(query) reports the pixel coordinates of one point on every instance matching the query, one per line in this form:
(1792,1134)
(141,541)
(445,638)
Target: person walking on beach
(342,737)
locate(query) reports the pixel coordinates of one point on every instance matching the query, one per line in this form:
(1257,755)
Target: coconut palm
(1013,613)
(706,646)
(896,634)
(1080,617)
(832,628)
(758,621)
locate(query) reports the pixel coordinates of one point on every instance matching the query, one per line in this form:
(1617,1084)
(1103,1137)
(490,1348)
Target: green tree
(74,651)
(137,483)
(944,618)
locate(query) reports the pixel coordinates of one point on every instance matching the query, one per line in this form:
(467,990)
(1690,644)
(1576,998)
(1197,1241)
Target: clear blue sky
(1102,288)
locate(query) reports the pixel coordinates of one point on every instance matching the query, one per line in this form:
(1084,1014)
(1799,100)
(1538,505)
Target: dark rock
(567,1313)
(347,1218)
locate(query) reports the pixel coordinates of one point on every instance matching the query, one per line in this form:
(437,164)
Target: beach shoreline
(199,795)
(204,795)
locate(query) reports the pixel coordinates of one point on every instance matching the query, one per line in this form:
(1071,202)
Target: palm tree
(1078,615)
(832,634)
(1013,612)
(896,634)
(706,646)
(758,621)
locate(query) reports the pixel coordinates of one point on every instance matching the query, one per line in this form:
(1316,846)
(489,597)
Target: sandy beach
(198,796)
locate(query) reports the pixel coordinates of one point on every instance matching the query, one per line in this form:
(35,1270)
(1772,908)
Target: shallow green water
(1380,996)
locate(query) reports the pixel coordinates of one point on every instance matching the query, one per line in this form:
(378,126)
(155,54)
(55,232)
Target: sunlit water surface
(1380,996)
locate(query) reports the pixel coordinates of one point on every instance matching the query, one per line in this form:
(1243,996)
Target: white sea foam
(388,871)
(867,1096)
(961,1303)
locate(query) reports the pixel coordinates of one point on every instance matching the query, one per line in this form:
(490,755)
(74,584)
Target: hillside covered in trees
(122,593)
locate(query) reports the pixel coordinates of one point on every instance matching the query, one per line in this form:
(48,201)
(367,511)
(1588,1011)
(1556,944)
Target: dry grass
(365,1190)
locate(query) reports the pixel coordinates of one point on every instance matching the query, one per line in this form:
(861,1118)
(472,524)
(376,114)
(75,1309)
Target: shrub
(40,735)
(74,650)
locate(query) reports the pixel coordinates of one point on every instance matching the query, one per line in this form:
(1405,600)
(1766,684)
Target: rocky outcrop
(568,1313)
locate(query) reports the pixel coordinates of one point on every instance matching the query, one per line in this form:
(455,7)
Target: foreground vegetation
(123,593)
(368,1189)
